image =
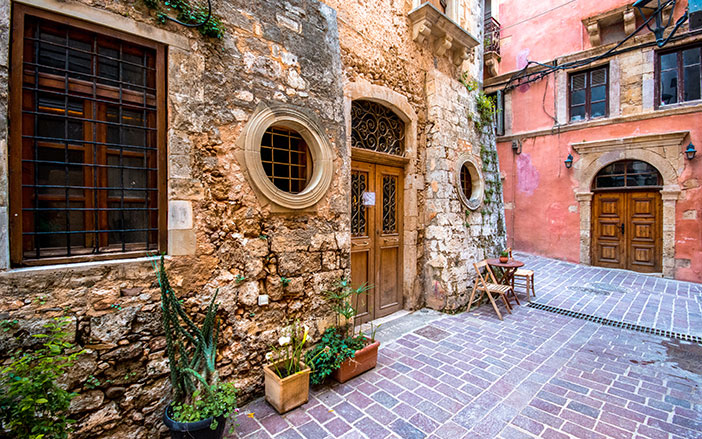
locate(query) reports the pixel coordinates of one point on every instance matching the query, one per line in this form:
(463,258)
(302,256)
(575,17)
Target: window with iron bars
(86,124)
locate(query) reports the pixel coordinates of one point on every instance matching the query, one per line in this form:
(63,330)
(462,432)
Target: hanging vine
(186,14)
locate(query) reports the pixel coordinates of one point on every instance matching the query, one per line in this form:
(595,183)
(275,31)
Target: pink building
(596,142)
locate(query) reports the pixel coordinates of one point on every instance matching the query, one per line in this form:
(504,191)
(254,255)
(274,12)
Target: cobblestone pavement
(619,295)
(535,374)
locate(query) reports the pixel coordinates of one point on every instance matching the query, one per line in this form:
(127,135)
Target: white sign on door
(369,198)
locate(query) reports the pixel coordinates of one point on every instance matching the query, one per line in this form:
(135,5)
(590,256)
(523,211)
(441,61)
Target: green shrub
(32,404)
(333,349)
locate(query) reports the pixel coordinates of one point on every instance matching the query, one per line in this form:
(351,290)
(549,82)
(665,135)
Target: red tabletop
(512,263)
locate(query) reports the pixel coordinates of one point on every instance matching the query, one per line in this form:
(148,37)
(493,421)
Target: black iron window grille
(89,154)
(376,128)
(358,210)
(466,182)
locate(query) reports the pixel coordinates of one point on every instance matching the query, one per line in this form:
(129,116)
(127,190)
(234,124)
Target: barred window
(285,159)
(86,147)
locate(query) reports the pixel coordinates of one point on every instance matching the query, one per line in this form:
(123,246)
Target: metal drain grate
(616,324)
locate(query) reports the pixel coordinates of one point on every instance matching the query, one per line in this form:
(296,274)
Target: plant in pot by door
(287,377)
(201,402)
(342,352)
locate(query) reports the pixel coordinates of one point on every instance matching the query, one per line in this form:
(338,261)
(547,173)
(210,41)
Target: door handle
(622,228)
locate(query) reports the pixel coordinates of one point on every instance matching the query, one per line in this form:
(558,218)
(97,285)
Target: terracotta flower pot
(504,259)
(363,360)
(284,394)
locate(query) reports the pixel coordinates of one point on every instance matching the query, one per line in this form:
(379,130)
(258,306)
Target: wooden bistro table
(508,269)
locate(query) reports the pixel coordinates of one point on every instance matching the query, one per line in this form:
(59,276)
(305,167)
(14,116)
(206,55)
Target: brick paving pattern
(619,295)
(536,374)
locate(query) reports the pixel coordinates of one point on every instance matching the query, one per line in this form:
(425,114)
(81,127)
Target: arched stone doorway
(383,225)
(627,217)
(662,151)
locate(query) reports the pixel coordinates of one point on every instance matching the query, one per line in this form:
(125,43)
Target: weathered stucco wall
(301,53)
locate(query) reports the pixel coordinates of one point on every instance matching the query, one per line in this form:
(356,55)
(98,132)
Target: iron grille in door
(89,151)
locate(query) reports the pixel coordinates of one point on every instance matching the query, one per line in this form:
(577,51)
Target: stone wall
(225,235)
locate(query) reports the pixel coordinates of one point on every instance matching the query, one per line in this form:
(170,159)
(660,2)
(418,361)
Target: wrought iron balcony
(492,35)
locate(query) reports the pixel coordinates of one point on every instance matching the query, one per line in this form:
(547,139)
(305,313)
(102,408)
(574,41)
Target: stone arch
(592,160)
(667,171)
(399,104)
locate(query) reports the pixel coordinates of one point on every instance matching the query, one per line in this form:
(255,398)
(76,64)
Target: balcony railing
(492,35)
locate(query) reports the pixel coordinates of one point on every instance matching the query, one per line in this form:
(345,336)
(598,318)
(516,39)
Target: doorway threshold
(397,324)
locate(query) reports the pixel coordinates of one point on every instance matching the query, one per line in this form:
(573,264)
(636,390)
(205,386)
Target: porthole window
(288,157)
(469,182)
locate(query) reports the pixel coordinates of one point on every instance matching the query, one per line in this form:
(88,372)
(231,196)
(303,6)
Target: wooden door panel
(388,287)
(608,240)
(362,237)
(644,235)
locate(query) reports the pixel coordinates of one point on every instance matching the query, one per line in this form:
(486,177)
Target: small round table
(508,269)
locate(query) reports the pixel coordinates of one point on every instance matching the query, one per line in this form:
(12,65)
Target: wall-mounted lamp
(517,146)
(690,151)
(569,161)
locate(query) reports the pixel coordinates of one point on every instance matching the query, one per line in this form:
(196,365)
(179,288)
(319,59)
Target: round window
(469,182)
(286,159)
(288,156)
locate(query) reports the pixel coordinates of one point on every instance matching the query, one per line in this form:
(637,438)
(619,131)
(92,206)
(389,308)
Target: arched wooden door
(627,224)
(377,186)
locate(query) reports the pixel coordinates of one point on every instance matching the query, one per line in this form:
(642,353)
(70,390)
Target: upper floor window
(679,76)
(588,94)
(85,133)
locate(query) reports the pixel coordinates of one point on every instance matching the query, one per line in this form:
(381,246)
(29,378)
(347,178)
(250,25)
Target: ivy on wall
(187,13)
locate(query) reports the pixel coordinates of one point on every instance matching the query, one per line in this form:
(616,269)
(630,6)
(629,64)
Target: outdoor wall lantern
(656,14)
(569,161)
(690,151)
(517,146)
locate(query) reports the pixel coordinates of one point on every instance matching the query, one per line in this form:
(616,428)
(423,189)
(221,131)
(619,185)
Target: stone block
(181,242)
(180,215)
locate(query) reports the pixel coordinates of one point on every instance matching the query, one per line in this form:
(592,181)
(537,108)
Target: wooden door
(627,230)
(376,237)
(644,232)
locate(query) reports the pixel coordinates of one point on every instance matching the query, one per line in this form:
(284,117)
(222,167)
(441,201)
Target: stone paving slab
(535,374)
(620,295)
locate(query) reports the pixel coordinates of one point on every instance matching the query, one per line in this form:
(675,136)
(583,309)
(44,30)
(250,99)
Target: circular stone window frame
(319,147)
(477,182)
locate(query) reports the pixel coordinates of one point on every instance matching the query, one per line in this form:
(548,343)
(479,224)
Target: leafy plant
(486,110)
(284,281)
(341,341)
(504,254)
(186,13)
(91,383)
(468,83)
(197,392)
(239,278)
(32,404)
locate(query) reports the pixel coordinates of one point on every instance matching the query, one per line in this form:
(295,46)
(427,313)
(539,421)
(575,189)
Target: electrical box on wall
(695,11)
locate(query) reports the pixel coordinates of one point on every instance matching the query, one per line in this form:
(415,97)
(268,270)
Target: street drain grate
(432,333)
(614,323)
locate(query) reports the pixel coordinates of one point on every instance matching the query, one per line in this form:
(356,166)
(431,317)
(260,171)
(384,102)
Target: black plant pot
(194,430)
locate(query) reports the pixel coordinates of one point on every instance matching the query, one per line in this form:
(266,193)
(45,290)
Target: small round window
(469,183)
(286,159)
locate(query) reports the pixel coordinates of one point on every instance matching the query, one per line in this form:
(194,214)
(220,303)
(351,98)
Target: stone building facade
(295,66)
(647,118)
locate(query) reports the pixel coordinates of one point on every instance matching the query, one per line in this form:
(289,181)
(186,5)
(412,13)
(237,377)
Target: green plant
(197,392)
(186,13)
(32,404)
(468,83)
(287,355)
(504,254)
(486,106)
(339,342)
(8,325)
(239,278)
(91,382)
(284,281)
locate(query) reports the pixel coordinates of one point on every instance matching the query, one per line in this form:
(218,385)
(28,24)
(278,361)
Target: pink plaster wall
(547,29)
(545,219)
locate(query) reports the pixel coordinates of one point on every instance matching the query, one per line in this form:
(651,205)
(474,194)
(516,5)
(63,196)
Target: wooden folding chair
(492,288)
(523,278)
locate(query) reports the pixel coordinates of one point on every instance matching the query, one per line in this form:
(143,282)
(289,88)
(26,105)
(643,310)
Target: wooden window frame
(19,13)
(588,94)
(681,75)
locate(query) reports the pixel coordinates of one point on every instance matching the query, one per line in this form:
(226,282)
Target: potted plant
(504,256)
(201,402)
(287,377)
(342,352)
